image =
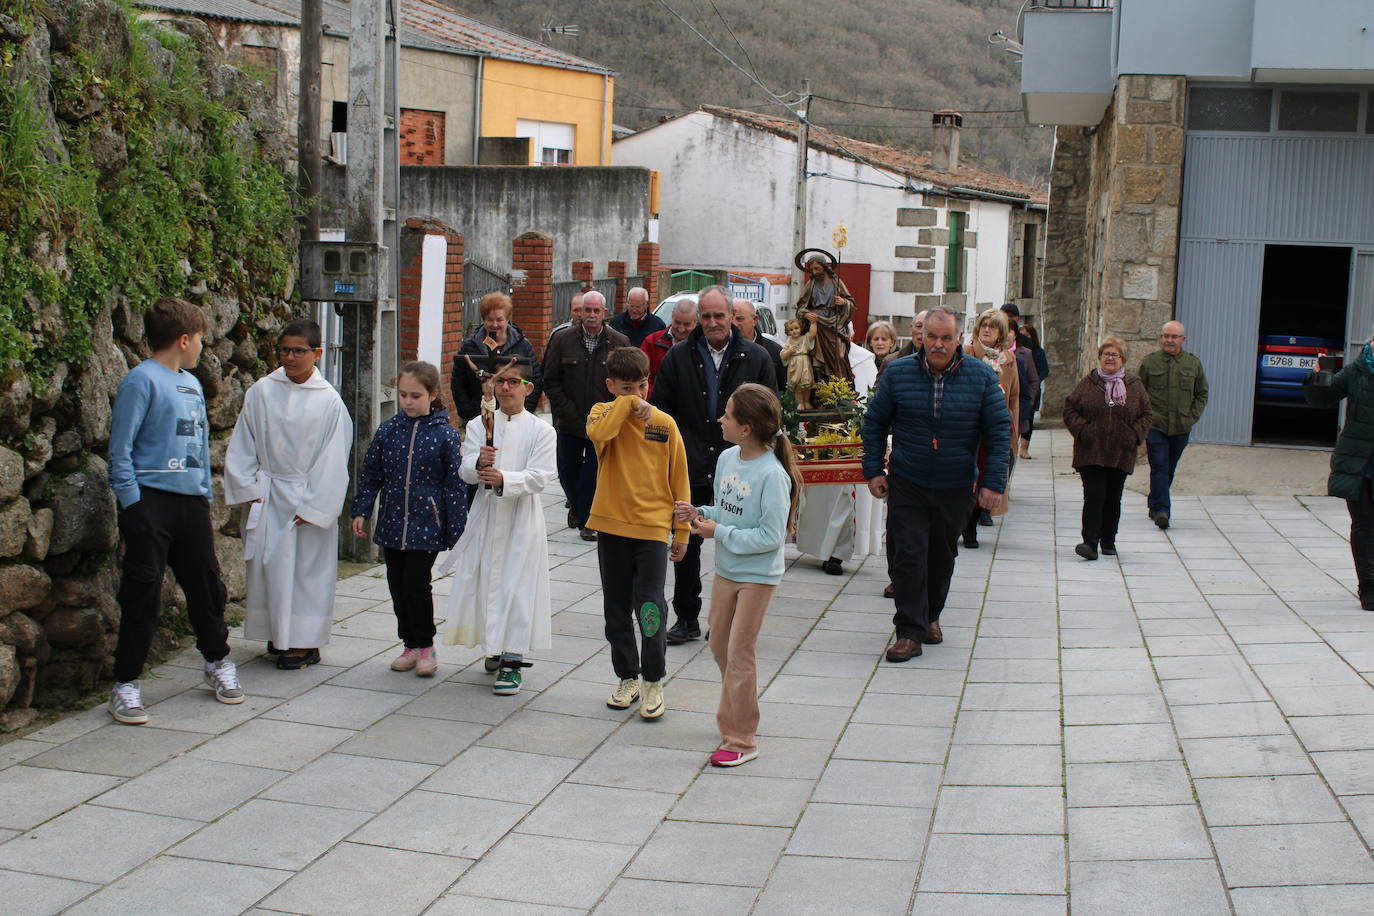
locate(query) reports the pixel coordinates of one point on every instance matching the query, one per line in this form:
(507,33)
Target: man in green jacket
(1178,393)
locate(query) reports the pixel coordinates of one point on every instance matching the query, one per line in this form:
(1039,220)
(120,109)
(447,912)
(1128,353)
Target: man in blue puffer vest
(937,406)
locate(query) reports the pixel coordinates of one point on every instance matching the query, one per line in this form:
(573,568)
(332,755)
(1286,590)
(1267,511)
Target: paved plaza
(1189,730)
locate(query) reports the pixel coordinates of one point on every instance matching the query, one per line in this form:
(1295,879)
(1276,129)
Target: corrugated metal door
(1219,303)
(1359,322)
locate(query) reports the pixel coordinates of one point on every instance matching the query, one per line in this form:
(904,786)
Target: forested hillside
(923,54)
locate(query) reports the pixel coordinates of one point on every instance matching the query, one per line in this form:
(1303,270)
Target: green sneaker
(508,678)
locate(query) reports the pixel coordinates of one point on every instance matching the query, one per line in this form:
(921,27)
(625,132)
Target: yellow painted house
(470,93)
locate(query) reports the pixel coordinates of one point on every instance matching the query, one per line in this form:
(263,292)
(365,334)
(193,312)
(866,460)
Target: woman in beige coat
(988,343)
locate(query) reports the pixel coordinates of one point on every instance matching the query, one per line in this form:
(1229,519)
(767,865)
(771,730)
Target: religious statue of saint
(827,304)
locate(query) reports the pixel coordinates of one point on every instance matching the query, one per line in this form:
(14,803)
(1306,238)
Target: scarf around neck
(1115,385)
(1367,354)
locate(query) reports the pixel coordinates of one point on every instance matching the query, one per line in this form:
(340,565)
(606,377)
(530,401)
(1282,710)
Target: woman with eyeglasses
(1108,414)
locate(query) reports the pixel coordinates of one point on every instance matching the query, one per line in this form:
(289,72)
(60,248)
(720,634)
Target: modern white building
(1214,162)
(910,234)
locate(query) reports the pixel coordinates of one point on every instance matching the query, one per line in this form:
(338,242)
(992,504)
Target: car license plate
(1291,362)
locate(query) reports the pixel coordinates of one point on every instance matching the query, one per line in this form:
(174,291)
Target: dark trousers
(577,473)
(159,530)
(1163,452)
(1102,488)
(687,571)
(632,574)
(923,528)
(407,577)
(1362,542)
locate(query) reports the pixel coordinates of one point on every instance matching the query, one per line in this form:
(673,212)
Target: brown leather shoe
(903,650)
(933,635)
(888,593)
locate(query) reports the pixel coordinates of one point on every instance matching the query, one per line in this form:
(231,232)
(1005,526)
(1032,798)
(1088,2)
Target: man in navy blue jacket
(937,406)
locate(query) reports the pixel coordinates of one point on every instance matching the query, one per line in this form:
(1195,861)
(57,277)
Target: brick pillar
(532,260)
(453,314)
(616,269)
(582,272)
(408,304)
(646,263)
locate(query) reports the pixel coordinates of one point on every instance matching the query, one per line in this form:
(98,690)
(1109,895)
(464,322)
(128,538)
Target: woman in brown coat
(1108,414)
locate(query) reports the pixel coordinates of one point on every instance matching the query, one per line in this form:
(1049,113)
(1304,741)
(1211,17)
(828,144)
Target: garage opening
(1303,301)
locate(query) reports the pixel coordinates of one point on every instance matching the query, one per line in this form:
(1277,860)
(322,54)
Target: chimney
(944,155)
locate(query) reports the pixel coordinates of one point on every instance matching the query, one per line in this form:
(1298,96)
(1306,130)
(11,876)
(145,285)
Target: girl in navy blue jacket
(413,463)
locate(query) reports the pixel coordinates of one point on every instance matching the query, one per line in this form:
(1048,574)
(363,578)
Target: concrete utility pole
(308,117)
(370,352)
(799,201)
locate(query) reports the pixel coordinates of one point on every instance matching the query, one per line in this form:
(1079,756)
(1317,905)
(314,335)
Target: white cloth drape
(500,594)
(289,449)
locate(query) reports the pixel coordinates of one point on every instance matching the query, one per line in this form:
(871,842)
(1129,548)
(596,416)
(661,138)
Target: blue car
(1283,363)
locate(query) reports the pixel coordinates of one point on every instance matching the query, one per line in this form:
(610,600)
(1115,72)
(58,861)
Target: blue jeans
(1164,452)
(577,473)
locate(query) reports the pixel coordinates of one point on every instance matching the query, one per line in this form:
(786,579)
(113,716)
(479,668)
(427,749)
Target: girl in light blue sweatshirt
(757,485)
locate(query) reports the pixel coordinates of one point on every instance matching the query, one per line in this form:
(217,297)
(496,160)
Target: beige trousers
(737,610)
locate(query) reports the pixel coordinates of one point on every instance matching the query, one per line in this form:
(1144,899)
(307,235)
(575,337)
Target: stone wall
(59,545)
(1112,241)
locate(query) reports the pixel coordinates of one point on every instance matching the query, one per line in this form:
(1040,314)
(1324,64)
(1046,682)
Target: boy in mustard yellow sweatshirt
(641,470)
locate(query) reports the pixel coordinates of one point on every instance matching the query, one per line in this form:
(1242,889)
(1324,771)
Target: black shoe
(1162,520)
(833,567)
(1086,551)
(1108,551)
(572,519)
(971,541)
(271,649)
(985,518)
(491,663)
(297,662)
(679,634)
(587,534)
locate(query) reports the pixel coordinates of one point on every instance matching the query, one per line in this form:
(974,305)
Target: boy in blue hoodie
(160,473)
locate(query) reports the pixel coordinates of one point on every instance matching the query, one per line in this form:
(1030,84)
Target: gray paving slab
(636,896)
(964,863)
(1159,782)
(79,844)
(192,788)
(450,825)
(553,734)
(943,904)
(466,905)
(1104,743)
(599,814)
(1328,900)
(417,739)
(272,744)
(902,743)
(1263,755)
(1257,800)
(119,750)
(31,795)
(716,853)
(633,766)
(1004,765)
(1229,720)
(978,726)
(807,884)
(1139,888)
(169,884)
(1284,854)
(38,895)
(346,781)
(393,881)
(272,835)
(1137,833)
(860,832)
(868,782)
(1024,810)
(739,797)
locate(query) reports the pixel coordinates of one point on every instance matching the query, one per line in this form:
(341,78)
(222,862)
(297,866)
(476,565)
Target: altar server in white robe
(825,521)
(288,458)
(500,594)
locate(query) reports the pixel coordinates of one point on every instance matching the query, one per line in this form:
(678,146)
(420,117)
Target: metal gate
(477,282)
(1359,319)
(1219,303)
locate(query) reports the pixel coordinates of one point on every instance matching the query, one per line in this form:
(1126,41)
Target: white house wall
(726,198)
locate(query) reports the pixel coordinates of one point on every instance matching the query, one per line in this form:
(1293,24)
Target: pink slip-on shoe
(427,663)
(724,758)
(406,660)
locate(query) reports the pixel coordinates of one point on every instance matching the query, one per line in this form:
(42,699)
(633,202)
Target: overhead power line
(918,110)
(773,96)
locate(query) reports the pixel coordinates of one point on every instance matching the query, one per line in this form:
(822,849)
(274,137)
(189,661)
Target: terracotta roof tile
(899,161)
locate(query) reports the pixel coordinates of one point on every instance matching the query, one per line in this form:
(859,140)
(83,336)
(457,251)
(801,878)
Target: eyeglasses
(510,382)
(1171,337)
(294,351)
(1110,354)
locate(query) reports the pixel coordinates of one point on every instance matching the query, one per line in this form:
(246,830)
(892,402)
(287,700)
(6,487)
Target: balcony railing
(1073,4)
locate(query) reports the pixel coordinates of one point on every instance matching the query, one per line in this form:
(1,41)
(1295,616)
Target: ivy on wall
(189,195)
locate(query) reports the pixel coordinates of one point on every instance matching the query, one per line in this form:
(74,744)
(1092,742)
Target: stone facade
(59,542)
(1112,240)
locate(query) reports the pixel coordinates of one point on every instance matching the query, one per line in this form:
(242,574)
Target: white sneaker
(126,704)
(625,694)
(223,677)
(651,707)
